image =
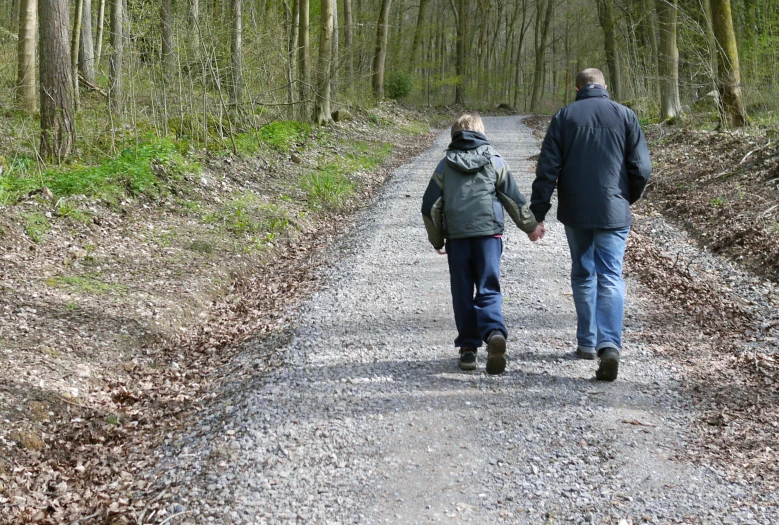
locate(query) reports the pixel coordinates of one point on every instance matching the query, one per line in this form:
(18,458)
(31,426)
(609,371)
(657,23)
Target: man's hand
(440,251)
(538,233)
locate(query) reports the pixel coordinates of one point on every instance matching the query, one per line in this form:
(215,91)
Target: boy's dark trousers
(475,263)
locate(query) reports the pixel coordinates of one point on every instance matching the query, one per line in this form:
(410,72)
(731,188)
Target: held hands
(538,233)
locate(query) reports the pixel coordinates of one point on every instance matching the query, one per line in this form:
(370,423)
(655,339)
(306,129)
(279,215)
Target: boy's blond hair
(469,122)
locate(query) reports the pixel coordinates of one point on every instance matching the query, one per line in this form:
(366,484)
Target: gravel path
(370,420)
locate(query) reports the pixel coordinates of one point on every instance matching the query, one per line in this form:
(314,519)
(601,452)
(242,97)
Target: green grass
(327,188)
(36,226)
(246,216)
(147,168)
(719,201)
(87,284)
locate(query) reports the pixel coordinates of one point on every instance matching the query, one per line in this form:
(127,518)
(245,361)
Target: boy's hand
(538,233)
(440,251)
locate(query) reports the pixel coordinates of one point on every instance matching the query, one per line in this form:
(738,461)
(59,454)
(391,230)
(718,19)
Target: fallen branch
(92,86)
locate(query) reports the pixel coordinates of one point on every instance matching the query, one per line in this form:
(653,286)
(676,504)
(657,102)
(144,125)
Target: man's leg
(489,301)
(462,283)
(584,287)
(609,253)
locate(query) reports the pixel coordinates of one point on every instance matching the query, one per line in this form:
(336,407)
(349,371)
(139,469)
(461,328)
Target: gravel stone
(370,420)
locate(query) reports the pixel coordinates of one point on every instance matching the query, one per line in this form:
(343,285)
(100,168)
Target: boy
(463,209)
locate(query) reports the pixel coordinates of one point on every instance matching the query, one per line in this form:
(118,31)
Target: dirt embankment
(117,320)
(719,318)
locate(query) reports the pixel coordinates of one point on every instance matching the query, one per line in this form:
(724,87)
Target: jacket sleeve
(512,199)
(637,161)
(547,171)
(433,209)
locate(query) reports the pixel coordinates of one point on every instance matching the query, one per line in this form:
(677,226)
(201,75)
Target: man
(596,155)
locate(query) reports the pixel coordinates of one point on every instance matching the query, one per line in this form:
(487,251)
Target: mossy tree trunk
(86,49)
(25,79)
(322,104)
(668,61)
(57,122)
(608,24)
(729,73)
(381,49)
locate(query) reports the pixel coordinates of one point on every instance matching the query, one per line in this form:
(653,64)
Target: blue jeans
(598,287)
(475,264)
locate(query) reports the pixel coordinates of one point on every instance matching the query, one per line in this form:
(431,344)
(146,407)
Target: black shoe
(468,359)
(586,352)
(496,353)
(609,365)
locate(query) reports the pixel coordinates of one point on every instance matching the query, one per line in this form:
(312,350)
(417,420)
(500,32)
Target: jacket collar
(592,91)
(465,140)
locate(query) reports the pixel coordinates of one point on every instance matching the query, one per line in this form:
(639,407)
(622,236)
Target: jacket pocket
(498,213)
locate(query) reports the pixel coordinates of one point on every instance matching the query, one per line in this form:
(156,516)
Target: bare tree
(608,23)
(166,26)
(117,55)
(322,104)
(542,34)
(348,37)
(381,48)
(668,60)
(419,30)
(729,73)
(26,87)
(86,49)
(236,53)
(99,38)
(461,19)
(304,49)
(57,123)
(74,46)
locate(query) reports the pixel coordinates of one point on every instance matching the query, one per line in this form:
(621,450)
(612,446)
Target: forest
(174,172)
(94,72)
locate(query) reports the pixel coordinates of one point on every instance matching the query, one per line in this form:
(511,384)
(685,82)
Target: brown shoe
(496,353)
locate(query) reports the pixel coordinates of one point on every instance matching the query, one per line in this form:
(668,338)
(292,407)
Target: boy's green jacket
(468,191)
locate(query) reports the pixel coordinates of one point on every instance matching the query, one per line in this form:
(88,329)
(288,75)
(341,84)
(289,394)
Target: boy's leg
(488,304)
(461,277)
(584,287)
(489,301)
(609,253)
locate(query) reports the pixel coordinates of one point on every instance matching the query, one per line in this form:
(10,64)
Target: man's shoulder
(441,165)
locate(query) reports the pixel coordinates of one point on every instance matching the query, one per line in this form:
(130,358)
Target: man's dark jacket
(595,152)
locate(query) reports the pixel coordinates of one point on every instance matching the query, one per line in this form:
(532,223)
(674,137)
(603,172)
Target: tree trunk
(86,49)
(99,38)
(57,124)
(117,55)
(668,61)
(304,60)
(651,24)
(74,50)
(418,32)
(292,50)
(710,39)
(166,26)
(334,62)
(608,24)
(322,105)
(236,53)
(542,33)
(26,88)
(348,37)
(729,78)
(381,49)
(462,49)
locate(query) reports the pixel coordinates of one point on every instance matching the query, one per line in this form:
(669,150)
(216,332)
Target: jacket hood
(468,152)
(592,91)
